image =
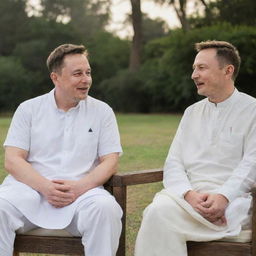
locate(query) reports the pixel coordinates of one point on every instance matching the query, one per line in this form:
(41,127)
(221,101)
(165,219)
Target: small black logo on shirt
(90,130)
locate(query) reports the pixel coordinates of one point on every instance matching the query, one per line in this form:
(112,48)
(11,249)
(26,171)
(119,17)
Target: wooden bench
(117,185)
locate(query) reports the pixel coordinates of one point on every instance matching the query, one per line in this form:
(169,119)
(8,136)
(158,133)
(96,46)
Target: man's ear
(229,70)
(54,77)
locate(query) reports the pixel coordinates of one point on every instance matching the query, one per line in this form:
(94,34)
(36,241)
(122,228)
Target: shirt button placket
(66,138)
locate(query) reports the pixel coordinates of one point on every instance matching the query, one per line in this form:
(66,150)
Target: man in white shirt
(60,149)
(211,165)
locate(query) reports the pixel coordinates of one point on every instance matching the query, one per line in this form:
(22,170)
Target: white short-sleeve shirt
(60,145)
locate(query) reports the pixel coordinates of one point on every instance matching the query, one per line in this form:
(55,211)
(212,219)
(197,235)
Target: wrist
(224,198)
(43,186)
(187,194)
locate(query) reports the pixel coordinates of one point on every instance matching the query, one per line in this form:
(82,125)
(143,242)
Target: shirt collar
(229,101)
(54,104)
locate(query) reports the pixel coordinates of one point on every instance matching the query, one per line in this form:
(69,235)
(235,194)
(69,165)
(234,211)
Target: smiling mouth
(198,84)
(83,89)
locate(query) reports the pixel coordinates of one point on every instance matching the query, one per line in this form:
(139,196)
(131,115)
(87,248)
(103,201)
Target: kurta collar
(54,104)
(230,100)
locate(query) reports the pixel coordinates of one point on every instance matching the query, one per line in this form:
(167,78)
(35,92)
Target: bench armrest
(135,178)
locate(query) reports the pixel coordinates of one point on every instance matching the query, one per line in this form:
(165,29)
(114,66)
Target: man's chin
(200,92)
(82,97)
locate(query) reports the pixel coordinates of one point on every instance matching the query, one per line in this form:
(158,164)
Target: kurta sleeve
(175,176)
(19,132)
(244,175)
(109,139)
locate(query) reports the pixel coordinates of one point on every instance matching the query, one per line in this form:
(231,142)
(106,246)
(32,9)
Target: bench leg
(120,195)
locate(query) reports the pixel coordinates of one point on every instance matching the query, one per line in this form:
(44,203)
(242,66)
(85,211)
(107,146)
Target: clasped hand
(211,206)
(60,193)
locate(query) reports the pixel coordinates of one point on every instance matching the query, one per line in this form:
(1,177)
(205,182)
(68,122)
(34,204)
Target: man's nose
(194,74)
(86,77)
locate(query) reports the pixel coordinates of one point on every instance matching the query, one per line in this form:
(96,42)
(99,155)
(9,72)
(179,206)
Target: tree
(13,27)
(235,12)
(135,56)
(14,83)
(86,16)
(180,7)
(153,28)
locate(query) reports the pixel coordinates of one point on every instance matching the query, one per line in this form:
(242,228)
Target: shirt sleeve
(175,176)
(109,138)
(19,131)
(244,175)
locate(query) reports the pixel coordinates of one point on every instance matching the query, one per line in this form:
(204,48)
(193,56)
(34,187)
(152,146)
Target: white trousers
(166,226)
(97,220)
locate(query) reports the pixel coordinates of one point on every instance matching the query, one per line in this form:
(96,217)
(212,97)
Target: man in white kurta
(211,165)
(71,144)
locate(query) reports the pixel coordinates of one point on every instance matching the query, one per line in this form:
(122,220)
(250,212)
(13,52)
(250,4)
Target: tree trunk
(180,8)
(135,56)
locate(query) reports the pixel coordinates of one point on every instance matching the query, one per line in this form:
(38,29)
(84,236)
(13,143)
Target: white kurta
(214,151)
(61,145)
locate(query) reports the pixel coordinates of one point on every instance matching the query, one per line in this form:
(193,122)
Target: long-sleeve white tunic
(214,150)
(60,145)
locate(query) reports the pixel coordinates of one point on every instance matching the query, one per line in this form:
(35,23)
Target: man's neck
(64,105)
(222,97)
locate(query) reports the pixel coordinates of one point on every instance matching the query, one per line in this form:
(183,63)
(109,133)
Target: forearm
(23,171)
(241,181)
(100,174)
(175,177)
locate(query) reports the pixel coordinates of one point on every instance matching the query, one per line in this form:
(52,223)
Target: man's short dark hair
(56,58)
(226,53)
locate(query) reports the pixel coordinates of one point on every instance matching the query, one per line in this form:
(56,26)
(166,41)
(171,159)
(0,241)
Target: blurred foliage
(14,83)
(163,82)
(235,12)
(13,24)
(85,16)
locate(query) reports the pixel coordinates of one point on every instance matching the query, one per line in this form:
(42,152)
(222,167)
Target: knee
(158,208)
(107,205)
(103,207)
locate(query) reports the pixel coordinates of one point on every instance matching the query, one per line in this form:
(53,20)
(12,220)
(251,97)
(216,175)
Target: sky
(120,9)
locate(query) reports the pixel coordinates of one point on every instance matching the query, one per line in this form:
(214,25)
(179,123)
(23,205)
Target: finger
(217,222)
(202,209)
(62,195)
(206,204)
(60,201)
(57,200)
(62,187)
(59,205)
(58,181)
(220,221)
(215,216)
(65,195)
(224,220)
(204,197)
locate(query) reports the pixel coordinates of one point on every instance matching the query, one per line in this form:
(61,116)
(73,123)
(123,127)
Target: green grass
(4,124)
(145,140)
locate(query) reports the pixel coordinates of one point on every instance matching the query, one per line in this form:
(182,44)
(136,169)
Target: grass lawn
(145,140)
